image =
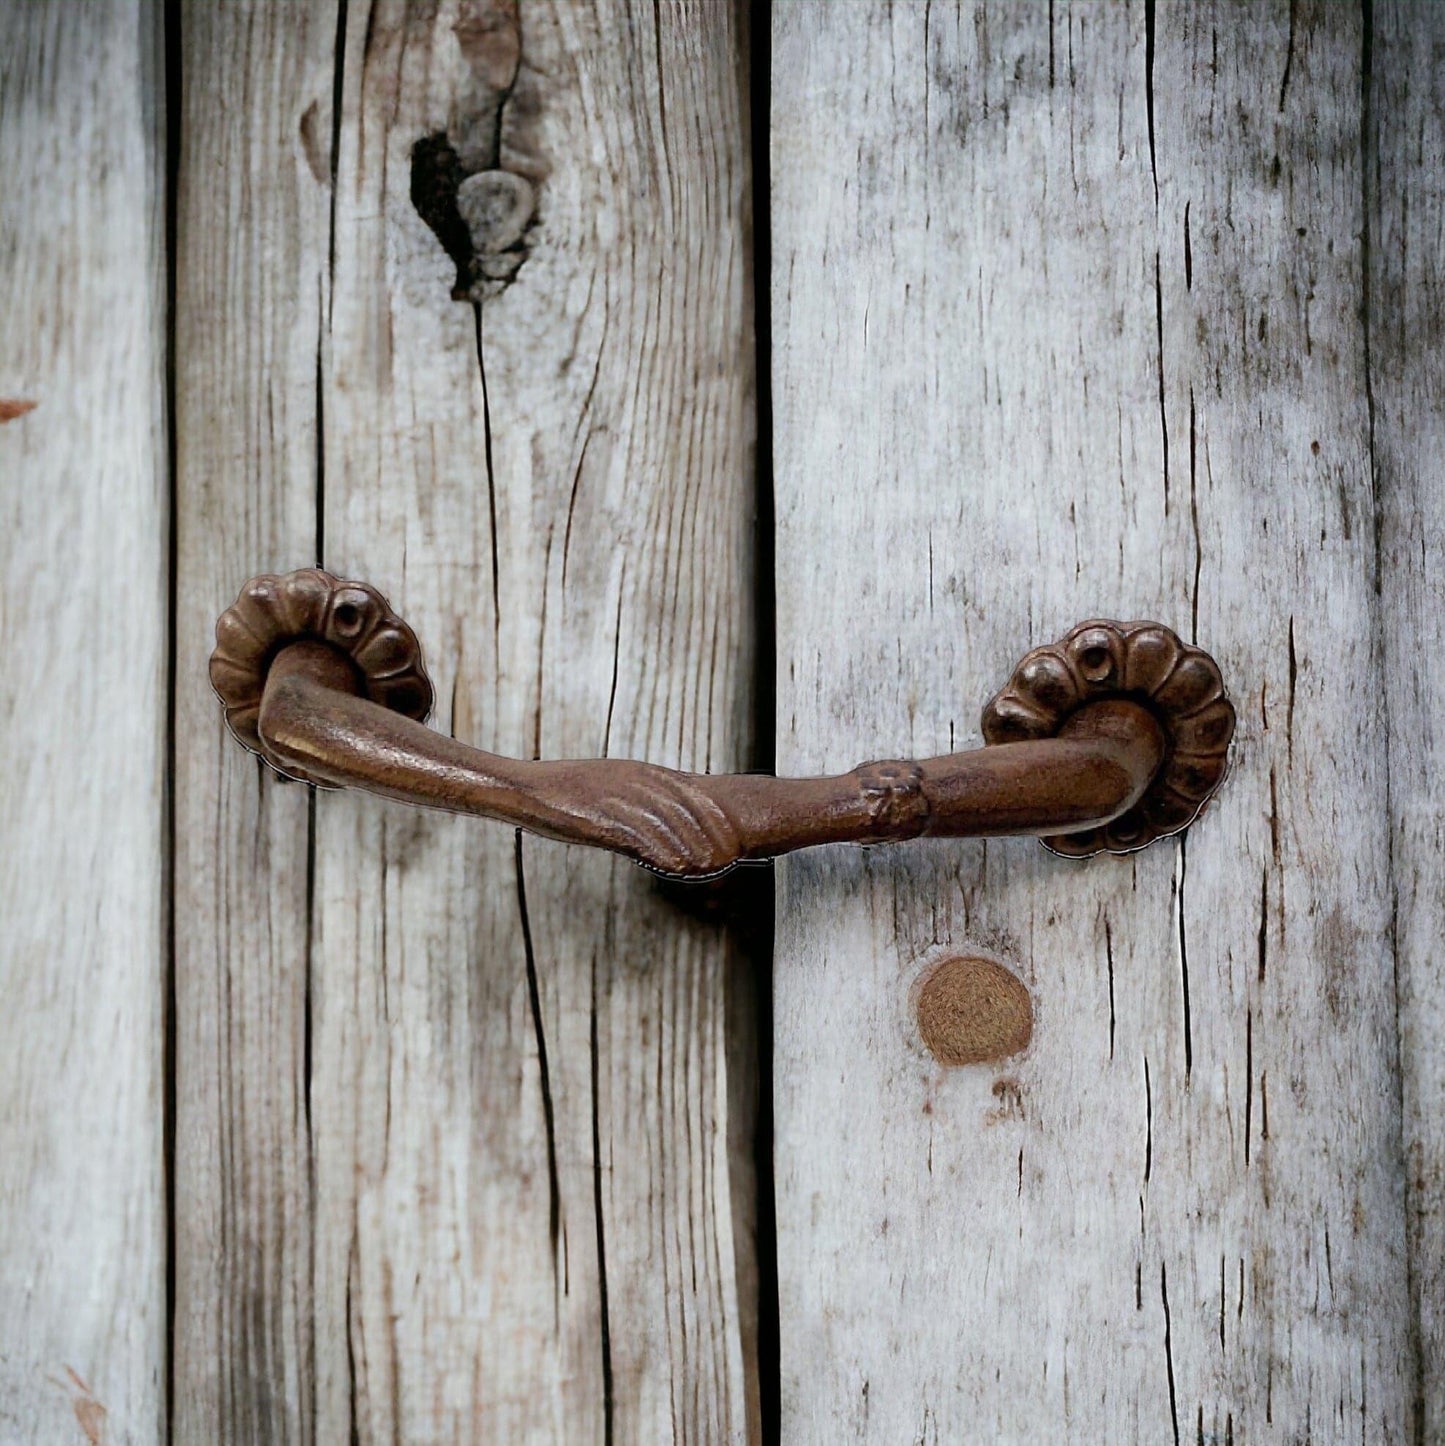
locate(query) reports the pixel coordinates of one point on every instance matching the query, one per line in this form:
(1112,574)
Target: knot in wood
(892,792)
(496,205)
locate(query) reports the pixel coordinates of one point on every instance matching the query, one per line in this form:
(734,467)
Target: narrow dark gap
(1149,37)
(1367,146)
(1169,1351)
(1184,964)
(170,21)
(608,1399)
(759,51)
(765,591)
(1289,54)
(338,75)
(353,1408)
(307,1012)
(338,87)
(534,1001)
(320,500)
(1367,198)
(491,483)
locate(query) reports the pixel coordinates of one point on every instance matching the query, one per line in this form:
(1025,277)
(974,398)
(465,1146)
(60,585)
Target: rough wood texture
(1078,310)
(458,1113)
(252,281)
(82,726)
(1067,322)
(1406,315)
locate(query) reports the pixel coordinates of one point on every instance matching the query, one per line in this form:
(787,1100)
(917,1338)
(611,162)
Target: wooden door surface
(788,374)
(1099,312)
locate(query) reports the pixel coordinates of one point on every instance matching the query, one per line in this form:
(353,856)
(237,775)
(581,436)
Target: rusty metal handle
(1106,740)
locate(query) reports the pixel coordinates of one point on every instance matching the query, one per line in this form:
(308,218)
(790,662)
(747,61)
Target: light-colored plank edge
(83,585)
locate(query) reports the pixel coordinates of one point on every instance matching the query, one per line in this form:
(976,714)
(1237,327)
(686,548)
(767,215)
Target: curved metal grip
(1109,739)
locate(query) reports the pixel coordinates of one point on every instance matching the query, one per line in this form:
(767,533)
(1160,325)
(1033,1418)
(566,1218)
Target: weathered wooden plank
(254,201)
(1067,324)
(526,1221)
(1406,312)
(83,725)
(393,1209)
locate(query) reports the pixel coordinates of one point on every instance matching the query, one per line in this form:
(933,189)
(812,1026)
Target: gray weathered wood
(1407,372)
(252,282)
(1067,310)
(1078,310)
(82,725)
(458,1113)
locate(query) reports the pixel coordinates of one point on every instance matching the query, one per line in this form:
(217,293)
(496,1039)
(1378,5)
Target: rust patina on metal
(1112,737)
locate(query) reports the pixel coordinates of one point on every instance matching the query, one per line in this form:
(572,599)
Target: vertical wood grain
(82,725)
(1406,316)
(1067,323)
(252,279)
(459,1116)
(527,1229)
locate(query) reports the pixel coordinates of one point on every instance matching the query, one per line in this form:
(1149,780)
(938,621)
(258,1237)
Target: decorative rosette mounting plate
(1146,662)
(313,606)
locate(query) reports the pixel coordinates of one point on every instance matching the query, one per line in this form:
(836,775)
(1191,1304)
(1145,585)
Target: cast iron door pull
(1112,737)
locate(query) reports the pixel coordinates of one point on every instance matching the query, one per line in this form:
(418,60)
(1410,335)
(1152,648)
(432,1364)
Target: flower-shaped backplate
(313,606)
(1178,683)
